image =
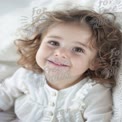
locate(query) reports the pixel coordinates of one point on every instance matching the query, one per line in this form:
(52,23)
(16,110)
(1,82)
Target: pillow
(12,17)
(9,22)
(114,6)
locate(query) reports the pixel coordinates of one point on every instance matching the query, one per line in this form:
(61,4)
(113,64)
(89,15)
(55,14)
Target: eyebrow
(56,37)
(77,42)
(80,43)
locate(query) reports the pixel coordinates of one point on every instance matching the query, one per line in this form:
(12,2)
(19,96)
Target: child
(69,67)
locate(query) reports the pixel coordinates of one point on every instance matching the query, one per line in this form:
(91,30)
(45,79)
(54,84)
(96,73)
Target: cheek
(80,63)
(39,58)
(38,55)
(43,53)
(43,50)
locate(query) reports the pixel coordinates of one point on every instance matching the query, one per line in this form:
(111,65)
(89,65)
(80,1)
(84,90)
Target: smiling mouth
(58,64)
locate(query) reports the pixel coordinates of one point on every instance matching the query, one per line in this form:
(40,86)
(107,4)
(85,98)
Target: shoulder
(98,103)
(99,88)
(92,86)
(92,89)
(22,72)
(99,92)
(24,76)
(96,86)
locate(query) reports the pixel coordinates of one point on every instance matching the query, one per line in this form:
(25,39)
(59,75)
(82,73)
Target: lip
(57,64)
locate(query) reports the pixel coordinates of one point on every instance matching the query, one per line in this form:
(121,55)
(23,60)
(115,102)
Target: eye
(53,43)
(78,50)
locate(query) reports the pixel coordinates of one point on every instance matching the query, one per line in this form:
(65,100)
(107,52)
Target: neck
(58,85)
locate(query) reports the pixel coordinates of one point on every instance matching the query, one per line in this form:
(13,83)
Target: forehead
(72,31)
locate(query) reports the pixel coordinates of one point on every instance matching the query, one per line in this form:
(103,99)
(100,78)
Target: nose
(62,53)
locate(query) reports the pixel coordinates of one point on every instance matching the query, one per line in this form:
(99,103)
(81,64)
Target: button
(50,113)
(51,104)
(53,93)
(26,91)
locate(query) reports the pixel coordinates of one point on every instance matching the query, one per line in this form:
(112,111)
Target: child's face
(65,51)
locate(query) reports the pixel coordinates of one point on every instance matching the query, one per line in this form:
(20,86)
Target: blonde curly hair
(107,34)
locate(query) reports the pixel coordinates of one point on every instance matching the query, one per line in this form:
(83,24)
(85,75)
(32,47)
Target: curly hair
(107,34)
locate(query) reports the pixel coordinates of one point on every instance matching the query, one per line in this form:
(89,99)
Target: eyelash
(78,50)
(53,43)
(75,49)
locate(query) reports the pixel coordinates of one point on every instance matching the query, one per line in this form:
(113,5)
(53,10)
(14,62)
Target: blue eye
(53,43)
(78,50)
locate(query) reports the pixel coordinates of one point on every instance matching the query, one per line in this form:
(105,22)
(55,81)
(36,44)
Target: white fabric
(15,18)
(36,101)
